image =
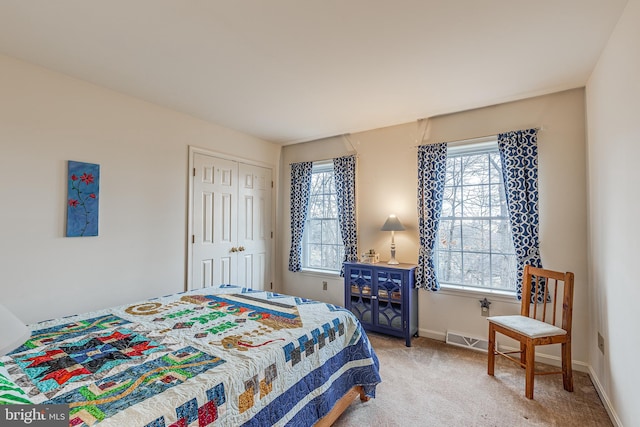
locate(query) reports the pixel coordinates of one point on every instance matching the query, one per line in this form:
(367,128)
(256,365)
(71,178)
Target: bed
(219,356)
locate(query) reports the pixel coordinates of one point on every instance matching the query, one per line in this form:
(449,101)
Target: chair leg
(523,354)
(491,351)
(530,369)
(567,371)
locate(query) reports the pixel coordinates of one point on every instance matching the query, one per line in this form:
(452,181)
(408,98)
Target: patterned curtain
(519,156)
(432,163)
(300,190)
(344,169)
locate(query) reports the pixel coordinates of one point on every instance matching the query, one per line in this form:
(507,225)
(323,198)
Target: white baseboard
(552,360)
(541,357)
(434,335)
(613,416)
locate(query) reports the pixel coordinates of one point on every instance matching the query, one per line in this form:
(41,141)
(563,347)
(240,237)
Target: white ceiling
(297,70)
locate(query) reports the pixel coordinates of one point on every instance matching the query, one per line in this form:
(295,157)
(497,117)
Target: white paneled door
(254,225)
(231,223)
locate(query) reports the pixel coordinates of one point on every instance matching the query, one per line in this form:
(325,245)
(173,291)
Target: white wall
(613,113)
(46,119)
(387,181)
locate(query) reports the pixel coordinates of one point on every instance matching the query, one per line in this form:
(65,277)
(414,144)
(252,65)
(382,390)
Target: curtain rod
(479,138)
(326,160)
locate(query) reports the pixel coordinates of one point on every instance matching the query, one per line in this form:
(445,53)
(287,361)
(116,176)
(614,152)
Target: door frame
(188,241)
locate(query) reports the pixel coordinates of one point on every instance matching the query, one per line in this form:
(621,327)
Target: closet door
(254,226)
(215,192)
(231,223)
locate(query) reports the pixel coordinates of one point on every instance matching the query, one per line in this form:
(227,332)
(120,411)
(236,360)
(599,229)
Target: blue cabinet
(383,297)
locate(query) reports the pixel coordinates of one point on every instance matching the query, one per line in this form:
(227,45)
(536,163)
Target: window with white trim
(322,247)
(474,247)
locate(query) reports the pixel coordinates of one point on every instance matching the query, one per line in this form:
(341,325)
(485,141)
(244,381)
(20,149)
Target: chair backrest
(546,285)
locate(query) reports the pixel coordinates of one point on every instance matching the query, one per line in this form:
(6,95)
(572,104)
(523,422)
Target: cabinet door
(389,285)
(360,285)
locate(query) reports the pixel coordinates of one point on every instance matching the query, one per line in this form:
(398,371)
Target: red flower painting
(82,200)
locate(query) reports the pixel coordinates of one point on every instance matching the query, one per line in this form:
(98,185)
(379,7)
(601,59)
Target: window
(474,247)
(322,247)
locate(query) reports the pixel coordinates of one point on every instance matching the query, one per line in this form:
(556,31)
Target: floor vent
(461,340)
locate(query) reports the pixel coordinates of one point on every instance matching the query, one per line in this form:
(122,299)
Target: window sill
(320,273)
(468,292)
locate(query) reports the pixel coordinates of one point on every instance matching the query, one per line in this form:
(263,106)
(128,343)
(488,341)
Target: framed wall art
(83,197)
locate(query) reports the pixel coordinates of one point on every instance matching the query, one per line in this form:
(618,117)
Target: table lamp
(392,224)
(13,332)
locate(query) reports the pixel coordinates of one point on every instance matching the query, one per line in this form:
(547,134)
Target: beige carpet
(435,384)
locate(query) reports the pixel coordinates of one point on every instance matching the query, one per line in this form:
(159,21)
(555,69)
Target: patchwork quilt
(220,356)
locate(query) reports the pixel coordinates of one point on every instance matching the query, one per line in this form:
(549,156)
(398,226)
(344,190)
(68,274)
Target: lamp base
(393,260)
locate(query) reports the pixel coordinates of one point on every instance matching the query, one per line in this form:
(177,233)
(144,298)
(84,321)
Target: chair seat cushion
(527,326)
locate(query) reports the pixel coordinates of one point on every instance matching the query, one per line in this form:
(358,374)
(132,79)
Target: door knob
(234,249)
(241,249)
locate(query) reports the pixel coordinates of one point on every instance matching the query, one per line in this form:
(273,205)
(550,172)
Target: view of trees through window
(322,243)
(474,246)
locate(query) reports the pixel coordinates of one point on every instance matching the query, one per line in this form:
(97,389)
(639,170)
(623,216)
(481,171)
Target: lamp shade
(392,224)
(13,333)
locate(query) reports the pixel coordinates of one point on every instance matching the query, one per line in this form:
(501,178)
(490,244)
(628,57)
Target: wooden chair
(538,326)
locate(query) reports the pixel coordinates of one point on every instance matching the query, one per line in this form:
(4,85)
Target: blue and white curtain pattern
(344,170)
(519,156)
(432,164)
(300,191)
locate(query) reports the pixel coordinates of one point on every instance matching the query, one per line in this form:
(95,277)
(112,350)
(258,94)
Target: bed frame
(341,405)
